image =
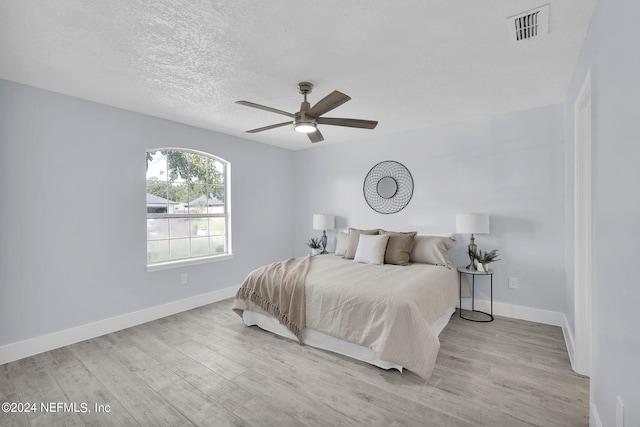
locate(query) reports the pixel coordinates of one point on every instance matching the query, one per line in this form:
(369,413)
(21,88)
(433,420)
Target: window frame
(226,215)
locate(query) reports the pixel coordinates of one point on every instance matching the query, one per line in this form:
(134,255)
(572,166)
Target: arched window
(188,217)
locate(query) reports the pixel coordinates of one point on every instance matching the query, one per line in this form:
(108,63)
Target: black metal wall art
(388,187)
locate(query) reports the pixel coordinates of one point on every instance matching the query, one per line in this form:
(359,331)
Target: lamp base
(323,240)
(471,251)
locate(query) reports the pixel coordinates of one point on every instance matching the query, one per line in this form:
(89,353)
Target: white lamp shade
(472,223)
(324,222)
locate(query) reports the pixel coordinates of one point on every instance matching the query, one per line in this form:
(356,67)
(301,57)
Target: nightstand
(473,274)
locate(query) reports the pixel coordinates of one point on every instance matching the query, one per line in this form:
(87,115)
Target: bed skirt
(326,342)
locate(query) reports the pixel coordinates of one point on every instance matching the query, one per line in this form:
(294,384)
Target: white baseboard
(30,347)
(537,315)
(594,418)
(569,341)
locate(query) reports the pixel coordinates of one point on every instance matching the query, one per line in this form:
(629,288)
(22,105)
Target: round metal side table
(473,274)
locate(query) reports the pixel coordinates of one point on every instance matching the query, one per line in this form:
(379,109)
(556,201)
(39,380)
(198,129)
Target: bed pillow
(371,249)
(342,238)
(432,249)
(354,237)
(399,247)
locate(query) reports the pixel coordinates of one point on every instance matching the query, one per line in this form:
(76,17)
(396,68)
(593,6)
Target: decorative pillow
(342,238)
(354,236)
(399,247)
(371,249)
(432,249)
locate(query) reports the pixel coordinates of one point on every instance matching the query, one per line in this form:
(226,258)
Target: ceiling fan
(308,118)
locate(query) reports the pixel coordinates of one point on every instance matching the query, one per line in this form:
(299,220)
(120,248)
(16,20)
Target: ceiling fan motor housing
(305,87)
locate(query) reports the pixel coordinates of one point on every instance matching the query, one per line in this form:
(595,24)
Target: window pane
(157,251)
(219,167)
(180,248)
(200,227)
(217,244)
(178,165)
(216,202)
(200,167)
(157,197)
(198,199)
(200,246)
(179,194)
(216,226)
(216,174)
(179,227)
(156,166)
(157,229)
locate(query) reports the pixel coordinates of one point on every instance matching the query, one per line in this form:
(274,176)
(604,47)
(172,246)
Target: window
(187,207)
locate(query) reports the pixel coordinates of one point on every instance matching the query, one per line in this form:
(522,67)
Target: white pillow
(371,248)
(342,239)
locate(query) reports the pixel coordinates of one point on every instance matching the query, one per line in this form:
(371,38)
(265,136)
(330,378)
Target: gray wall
(509,166)
(611,49)
(73,248)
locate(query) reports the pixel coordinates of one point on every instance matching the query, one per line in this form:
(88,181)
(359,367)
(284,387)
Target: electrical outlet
(513,283)
(619,412)
(183,279)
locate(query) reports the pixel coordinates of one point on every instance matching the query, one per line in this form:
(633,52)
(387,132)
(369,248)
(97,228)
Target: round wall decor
(388,187)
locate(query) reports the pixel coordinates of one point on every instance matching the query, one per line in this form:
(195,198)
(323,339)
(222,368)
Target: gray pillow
(432,249)
(399,247)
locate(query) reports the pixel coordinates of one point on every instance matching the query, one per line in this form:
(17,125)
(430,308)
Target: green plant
(484,258)
(314,243)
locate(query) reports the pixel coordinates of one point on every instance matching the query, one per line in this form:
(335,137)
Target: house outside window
(188,218)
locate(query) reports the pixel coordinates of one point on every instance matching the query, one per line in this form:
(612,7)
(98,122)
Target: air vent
(530,24)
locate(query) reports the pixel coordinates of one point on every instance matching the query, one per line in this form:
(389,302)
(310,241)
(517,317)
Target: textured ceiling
(408,64)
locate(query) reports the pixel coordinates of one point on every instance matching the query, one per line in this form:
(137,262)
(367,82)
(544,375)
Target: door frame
(583,227)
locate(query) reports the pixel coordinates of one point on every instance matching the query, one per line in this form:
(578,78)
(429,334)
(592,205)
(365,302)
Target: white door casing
(583,227)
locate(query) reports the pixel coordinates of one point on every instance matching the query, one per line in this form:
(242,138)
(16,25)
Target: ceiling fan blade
(263,107)
(328,103)
(315,136)
(269,127)
(352,123)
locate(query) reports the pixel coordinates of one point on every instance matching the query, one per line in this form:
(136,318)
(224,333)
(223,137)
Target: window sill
(187,262)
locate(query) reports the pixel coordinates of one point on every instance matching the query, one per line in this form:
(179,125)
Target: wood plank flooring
(203,367)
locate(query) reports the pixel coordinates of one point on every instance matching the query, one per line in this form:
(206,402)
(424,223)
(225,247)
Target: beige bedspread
(387,308)
(279,290)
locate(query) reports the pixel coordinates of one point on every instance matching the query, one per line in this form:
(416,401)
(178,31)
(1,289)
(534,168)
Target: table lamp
(324,222)
(473,224)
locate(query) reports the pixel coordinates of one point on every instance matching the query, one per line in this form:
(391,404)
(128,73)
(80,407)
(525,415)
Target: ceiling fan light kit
(305,127)
(307,119)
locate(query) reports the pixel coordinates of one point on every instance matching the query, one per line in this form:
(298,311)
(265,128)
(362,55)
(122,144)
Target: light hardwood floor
(204,367)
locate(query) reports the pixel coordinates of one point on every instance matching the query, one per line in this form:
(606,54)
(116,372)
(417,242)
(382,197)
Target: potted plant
(315,245)
(484,258)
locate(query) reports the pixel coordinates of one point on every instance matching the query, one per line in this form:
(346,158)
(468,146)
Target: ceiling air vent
(530,24)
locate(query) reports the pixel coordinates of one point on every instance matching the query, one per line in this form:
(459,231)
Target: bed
(385,314)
